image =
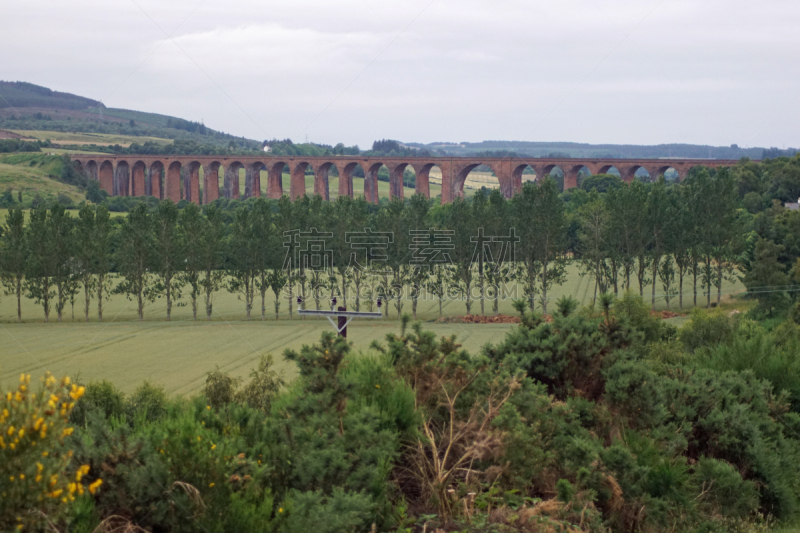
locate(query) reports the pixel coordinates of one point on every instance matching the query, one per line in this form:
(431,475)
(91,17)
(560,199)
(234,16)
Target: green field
(179,353)
(100,139)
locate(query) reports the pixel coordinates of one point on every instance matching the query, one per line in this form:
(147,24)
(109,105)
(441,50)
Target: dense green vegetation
(600,418)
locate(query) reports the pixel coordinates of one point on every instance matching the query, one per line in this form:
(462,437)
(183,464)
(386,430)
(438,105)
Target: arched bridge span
(177,177)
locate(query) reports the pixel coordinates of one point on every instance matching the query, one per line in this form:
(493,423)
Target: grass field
(100,139)
(179,353)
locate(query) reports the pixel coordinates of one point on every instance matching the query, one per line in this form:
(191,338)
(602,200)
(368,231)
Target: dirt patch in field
(508,319)
(478,319)
(665,314)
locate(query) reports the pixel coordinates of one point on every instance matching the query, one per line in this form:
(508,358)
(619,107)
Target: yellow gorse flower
(94,486)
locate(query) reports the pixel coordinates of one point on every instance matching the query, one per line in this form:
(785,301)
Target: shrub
(64,200)
(263,386)
(100,396)
(148,402)
(7,199)
(36,485)
(220,388)
(632,309)
(94,193)
(707,329)
(761,354)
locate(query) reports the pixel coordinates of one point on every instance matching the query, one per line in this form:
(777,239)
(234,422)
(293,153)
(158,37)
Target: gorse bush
(38,477)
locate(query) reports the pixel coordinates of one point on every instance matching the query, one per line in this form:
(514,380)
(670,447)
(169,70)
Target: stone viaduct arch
(177,177)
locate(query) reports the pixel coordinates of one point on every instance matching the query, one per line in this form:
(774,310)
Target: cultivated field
(100,139)
(179,353)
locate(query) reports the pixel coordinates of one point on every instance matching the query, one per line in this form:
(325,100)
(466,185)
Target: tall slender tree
(41,266)
(134,258)
(659,218)
(548,237)
(85,249)
(168,253)
(14,255)
(191,227)
(101,266)
(243,254)
(264,232)
(527,272)
(60,226)
(593,239)
(212,245)
(458,219)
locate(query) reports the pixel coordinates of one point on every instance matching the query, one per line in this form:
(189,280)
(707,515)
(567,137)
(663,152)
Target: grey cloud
(706,72)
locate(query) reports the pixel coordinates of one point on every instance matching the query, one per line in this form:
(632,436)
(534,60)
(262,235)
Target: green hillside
(29,107)
(34,176)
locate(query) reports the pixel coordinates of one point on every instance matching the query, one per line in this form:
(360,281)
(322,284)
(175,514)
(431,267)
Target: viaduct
(178,177)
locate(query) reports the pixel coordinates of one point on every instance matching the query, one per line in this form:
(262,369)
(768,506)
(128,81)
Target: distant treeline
(16,145)
(627,151)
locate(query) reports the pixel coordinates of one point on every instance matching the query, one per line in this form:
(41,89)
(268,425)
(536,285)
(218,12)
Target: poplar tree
(85,250)
(191,228)
(243,254)
(212,244)
(14,255)
(263,231)
(134,258)
(594,230)
(459,219)
(286,225)
(60,227)
(168,257)
(498,270)
(41,264)
(417,219)
(548,236)
(101,265)
(658,224)
(527,272)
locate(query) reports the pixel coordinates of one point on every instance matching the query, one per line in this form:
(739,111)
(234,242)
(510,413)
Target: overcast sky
(643,72)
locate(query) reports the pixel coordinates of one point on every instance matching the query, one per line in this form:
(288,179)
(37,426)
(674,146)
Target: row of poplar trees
(635,234)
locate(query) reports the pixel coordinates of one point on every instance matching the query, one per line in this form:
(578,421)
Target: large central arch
(321,180)
(155,183)
(211,182)
(172,189)
(371,181)
(138,172)
(122,178)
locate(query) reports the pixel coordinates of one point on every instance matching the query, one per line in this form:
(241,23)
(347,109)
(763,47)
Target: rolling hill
(27,107)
